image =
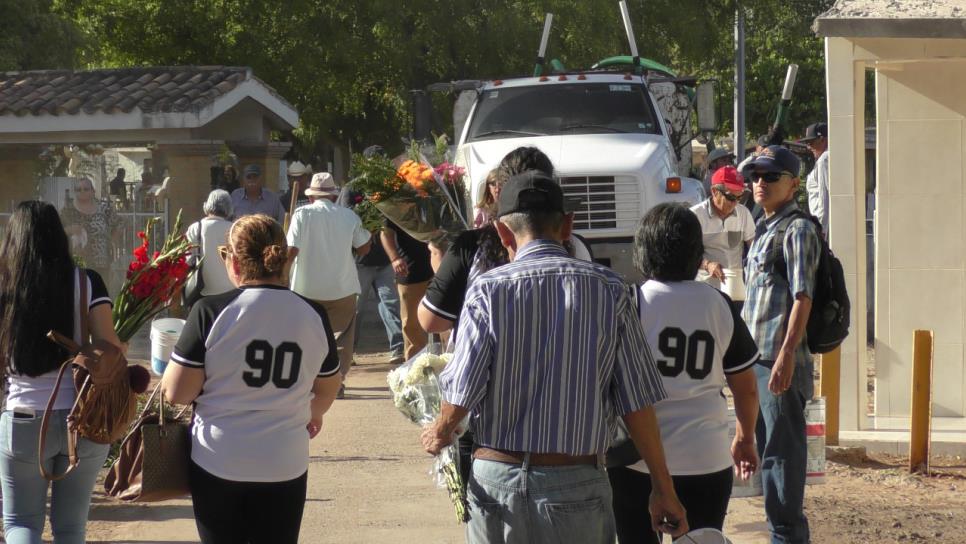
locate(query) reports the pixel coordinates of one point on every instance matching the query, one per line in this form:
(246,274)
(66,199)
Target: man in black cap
(780,278)
(541,391)
(816,138)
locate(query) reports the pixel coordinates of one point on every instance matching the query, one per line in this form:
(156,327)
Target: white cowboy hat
(298,169)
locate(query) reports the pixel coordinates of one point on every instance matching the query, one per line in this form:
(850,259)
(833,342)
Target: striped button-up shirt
(769,296)
(549,350)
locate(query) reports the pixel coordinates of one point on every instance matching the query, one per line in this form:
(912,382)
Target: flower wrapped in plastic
(153,278)
(426,201)
(416,393)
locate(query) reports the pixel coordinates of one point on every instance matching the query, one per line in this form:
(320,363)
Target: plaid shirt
(769,296)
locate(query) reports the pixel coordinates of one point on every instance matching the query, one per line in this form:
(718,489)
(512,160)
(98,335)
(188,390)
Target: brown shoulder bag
(105,403)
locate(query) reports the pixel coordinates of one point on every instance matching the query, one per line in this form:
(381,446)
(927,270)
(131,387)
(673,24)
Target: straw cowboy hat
(323,184)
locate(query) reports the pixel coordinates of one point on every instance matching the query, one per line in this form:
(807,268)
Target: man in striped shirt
(549,349)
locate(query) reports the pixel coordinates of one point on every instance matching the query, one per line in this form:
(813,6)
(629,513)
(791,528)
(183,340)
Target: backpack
(828,322)
(106,401)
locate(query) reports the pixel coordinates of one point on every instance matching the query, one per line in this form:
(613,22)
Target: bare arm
(325,390)
(389,243)
(431,322)
(744,387)
(180,384)
(363,249)
(437,436)
(784,369)
(102,326)
(667,514)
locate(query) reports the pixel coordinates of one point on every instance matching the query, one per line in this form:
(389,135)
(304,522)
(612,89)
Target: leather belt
(536,459)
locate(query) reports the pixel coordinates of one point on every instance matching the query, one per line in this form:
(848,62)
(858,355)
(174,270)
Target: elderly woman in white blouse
(209,233)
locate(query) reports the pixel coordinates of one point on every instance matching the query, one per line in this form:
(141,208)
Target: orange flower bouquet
(426,201)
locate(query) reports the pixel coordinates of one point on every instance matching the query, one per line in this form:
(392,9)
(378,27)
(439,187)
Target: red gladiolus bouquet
(152,279)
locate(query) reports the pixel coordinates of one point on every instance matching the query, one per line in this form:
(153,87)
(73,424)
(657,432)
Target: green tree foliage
(348,65)
(33,36)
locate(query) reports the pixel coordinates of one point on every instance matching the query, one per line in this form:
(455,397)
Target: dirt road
(369,484)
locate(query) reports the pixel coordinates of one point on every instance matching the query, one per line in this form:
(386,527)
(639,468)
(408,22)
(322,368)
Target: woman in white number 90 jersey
(700,345)
(260,365)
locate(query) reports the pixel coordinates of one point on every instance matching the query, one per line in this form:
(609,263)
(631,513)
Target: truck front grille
(606,202)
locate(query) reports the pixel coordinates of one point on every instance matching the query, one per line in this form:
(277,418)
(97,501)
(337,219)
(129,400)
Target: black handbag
(196,282)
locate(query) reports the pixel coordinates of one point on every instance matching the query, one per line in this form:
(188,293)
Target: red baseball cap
(729,177)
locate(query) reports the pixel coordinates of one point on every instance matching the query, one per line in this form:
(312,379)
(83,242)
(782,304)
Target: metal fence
(132,218)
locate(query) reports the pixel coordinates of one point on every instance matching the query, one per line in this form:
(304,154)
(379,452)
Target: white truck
(618,135)
(608,136)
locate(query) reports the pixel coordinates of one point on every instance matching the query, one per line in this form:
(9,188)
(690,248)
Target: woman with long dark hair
(40,292)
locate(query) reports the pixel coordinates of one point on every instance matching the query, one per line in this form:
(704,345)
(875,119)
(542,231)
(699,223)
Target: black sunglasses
(723,191)
(768,177)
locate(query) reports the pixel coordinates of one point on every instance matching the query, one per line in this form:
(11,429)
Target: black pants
(229,512)
(704,496)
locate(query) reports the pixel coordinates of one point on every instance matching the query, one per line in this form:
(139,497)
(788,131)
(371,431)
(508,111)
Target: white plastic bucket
(734,284)
(815,439)
(164,335)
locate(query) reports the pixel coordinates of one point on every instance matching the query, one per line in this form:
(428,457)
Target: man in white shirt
(726,228)
(324,270)
(816,138)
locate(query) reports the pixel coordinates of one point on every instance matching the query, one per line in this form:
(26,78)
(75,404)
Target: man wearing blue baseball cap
(252,197)
(780,278)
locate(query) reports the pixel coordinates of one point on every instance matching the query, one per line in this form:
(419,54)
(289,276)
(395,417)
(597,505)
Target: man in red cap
(726,228)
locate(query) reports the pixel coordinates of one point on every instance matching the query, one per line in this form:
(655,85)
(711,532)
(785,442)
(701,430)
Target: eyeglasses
(728,196)
(768,177)
(224,252)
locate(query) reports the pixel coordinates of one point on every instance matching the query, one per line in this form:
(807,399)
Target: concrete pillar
(189,166)
(845,80)
(267,156)
(18,174)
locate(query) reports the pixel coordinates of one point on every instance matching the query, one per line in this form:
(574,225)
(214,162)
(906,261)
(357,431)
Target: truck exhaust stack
(542,52)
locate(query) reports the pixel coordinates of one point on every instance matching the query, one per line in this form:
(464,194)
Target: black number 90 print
(270,364)
(683,352)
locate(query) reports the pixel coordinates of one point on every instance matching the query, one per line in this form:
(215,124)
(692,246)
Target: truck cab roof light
(544,78)
(627,75)
(497,83)
(672,185)
(562,78)
(581,77)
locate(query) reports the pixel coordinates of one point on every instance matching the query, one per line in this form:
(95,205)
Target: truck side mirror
(707,111)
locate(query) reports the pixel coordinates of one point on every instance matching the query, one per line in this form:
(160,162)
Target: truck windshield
(580,108)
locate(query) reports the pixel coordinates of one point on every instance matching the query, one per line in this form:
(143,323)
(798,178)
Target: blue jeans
(382,280)
(25,490)
(514,504)
(784,453)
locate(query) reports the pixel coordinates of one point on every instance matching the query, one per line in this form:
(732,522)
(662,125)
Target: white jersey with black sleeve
(261,348)
(697,338)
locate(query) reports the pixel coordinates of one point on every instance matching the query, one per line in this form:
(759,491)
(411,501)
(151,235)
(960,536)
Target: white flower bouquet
(416,393)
